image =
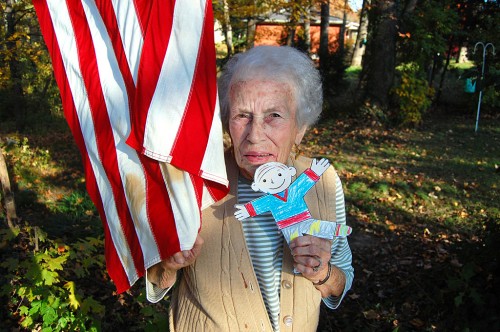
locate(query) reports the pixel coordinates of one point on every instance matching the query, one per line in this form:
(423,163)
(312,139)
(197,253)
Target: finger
(199,241)
(308,271)
(179,258)
(310,240)
(308,261)
(197,246)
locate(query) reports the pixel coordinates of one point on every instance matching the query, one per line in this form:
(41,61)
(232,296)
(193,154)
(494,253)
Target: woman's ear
(300,134)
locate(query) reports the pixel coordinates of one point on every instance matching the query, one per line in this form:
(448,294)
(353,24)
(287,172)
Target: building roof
(284,18)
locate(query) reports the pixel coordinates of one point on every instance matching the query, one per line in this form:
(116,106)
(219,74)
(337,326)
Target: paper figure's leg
(324,229)
(342,230)
(290,233)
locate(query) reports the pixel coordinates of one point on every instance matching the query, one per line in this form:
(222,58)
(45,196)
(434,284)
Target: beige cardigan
(220,291)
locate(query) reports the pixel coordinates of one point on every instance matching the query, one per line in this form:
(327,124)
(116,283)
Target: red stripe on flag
(198,116)
(198,188)
(103,131)
(108,16)
(217,190)
(143,10)
(159,209)
(153,54)
(113,263)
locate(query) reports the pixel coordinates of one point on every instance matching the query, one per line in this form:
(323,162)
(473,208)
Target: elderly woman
(240,275)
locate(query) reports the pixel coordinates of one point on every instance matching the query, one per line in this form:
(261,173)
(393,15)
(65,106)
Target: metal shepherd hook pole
(485,47)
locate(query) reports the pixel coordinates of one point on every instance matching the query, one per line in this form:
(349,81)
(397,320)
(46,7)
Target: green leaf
(49,277)
(35,307)
(459,299)
(57,262)
(468,271)
(41,256)
(147,311)
(49,316)
(23,310)
(11,264)
(73,300)
(62,322)
(90,304)
(27,322)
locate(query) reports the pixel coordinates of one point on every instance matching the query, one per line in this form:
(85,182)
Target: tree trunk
(323,39)
(251,25)
(381,53)
(341,49)
(307,30)
(443,75)
(290,36)
(227,29)
(14,67)
(359,48)
(8,197)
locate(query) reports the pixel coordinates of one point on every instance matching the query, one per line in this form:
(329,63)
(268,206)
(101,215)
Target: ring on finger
(316,268)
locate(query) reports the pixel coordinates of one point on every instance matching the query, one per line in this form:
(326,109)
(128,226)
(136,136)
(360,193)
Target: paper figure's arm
(310,176)
(252,208)
(241,212)
(319,166)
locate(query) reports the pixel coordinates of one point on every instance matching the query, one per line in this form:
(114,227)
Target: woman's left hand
(311,255)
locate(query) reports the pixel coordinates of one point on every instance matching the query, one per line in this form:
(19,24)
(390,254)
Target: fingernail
(186,253)
(180,260)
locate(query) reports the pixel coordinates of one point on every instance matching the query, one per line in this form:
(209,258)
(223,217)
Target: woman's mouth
(258,157)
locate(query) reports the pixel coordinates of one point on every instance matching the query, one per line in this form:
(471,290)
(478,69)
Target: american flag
(138,87)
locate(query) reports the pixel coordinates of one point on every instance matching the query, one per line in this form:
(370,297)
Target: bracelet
(321,282)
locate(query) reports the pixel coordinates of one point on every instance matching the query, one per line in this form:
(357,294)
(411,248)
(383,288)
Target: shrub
(413,96)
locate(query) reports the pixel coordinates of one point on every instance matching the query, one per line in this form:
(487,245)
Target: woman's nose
(256,130)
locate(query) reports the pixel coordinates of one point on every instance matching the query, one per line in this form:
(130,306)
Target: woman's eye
(272,117)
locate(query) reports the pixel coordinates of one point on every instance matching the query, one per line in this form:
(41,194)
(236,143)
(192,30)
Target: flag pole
(485,47)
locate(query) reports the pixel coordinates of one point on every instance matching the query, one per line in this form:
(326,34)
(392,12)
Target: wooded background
(414,39)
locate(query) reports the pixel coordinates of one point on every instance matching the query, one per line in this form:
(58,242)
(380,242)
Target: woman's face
(262,123)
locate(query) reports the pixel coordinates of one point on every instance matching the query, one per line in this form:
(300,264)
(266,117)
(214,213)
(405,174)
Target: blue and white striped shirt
(265,244)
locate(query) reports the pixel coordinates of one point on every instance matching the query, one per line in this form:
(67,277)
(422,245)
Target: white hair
(279,64)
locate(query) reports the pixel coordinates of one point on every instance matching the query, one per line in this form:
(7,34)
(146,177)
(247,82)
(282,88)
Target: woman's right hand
(164,273)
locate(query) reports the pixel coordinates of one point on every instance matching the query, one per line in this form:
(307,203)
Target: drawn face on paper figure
(273,177)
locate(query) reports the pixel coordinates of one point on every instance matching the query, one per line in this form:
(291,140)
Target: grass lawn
(424,204)
(425,208)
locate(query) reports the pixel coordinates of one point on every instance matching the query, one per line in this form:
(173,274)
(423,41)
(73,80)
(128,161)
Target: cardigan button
(286,284)
(288,320)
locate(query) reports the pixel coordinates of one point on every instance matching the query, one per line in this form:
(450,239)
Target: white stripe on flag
(174,83)
(66,39)
(129,165)
(130,32)
(182,196)
(211,167)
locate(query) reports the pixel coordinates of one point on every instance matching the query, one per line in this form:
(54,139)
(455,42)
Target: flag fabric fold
(138,87)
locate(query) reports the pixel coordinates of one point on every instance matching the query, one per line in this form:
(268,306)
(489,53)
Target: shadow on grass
(424,207)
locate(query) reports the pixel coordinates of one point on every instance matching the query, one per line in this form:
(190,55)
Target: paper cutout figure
(285,201)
